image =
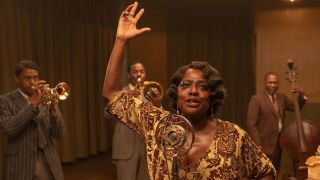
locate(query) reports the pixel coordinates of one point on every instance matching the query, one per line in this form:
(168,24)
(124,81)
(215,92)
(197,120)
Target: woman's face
(193,94)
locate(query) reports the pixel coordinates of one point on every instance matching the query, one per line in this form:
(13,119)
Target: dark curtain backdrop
(70,40)
(224,36)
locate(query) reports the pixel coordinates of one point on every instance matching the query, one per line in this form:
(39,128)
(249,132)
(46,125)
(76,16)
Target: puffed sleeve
(134,111)
(256,163)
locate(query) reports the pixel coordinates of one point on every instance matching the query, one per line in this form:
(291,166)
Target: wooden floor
(98,167)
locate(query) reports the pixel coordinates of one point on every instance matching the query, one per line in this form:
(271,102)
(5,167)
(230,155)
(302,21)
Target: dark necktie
(42,141)
(273,98)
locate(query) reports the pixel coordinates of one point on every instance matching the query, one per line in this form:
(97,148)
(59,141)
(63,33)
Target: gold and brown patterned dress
(231,155)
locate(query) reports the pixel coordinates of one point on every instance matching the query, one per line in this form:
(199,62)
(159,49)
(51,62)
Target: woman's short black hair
(25,64)
(210,74)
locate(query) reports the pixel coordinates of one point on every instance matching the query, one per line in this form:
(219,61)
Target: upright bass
(299,139)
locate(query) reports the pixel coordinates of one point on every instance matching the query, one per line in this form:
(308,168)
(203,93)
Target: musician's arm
(253,120)
(302,99)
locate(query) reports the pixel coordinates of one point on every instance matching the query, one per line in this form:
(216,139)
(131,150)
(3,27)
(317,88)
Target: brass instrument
(148,85)
(60,92)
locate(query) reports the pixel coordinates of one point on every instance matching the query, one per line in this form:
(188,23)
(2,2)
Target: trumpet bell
(148,85)
(61,91)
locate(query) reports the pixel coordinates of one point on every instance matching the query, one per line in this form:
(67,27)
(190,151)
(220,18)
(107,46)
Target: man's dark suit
(19,121)
(263,122)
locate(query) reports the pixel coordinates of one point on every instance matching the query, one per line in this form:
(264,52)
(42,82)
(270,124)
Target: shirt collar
(131,87)
(269,95)
(23,94)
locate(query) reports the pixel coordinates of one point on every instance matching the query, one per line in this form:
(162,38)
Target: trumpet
(60,92)
(147,87)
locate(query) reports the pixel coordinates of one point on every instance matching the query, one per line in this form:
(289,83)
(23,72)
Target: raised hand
(127,26)
(127,29)
(295,88)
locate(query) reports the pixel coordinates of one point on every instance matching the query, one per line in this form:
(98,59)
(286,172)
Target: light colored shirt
(131,87)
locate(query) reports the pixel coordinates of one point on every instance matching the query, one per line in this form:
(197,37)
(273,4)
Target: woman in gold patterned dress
(221,150)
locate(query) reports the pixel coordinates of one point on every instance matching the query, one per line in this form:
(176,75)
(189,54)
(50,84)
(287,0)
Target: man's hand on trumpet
(40,93)
(153,95)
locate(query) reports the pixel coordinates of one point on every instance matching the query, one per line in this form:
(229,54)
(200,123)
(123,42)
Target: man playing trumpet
(128,149)
(30,126)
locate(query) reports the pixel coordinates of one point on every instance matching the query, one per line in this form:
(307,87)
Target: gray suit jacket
(19,121)
(262,119)
(124,139)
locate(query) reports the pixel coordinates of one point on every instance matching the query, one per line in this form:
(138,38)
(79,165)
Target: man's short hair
(131,64)
(269,74)
(25,64)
